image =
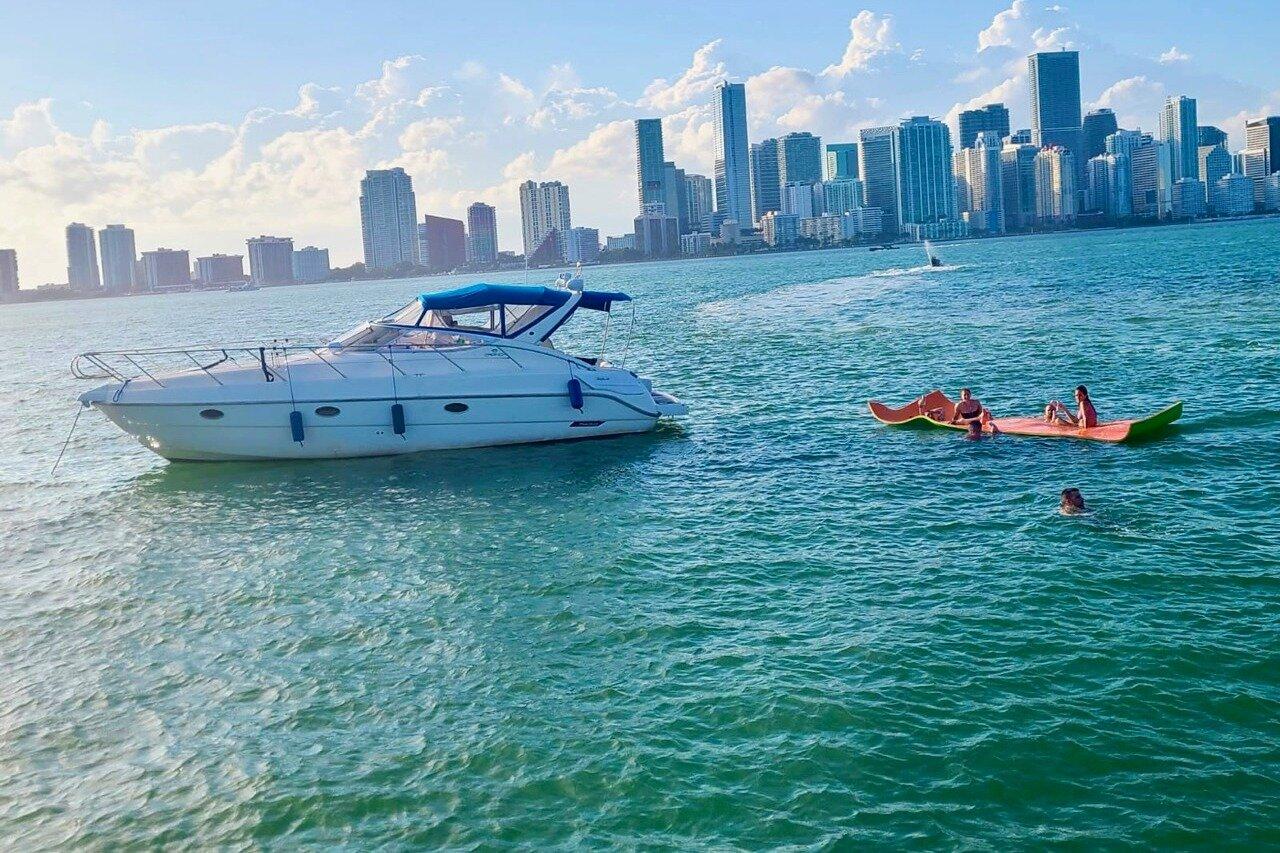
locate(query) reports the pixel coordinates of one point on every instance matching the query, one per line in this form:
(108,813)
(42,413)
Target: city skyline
(293,168)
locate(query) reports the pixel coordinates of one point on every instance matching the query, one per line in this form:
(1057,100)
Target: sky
(201,124)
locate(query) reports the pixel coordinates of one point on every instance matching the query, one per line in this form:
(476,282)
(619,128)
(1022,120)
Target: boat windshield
(501,320)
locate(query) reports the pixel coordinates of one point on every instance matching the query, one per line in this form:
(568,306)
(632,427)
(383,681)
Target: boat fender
(397,419)
(295,424)
(575,394)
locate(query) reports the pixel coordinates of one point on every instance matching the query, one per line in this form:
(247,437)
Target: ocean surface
(773,622)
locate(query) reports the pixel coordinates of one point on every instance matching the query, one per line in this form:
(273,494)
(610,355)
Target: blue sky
(202,123)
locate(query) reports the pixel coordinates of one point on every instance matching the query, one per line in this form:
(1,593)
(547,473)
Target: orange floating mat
(935,409)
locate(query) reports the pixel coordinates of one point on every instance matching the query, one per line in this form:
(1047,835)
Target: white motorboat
(469,367)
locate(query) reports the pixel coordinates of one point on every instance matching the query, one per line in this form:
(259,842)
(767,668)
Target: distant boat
(245,287)
(934,260)
(883,248)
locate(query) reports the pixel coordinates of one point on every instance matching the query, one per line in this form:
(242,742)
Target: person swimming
(973,432)
(1085,417)
(1072,502)
(968,409)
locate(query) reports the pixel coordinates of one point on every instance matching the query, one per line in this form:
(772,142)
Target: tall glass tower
(733,173)
(388,218)
(923,160)
(649,160)
(1055,99)
(1178,128)
(765,183)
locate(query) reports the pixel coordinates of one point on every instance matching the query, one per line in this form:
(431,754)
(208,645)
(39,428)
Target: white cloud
(870,36)
(695,84)
(1005,29)
(1134,100)
(1173,55)
(425,132)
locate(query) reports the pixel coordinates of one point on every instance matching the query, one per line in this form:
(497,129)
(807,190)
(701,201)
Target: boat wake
(894,272)
(809,298)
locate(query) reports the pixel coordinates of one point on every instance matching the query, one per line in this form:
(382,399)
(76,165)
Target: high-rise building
(649,161)
(8,274)
(1178,128)
(1215,164)
(1018,179)
(1208,135)
(1255,164)
(925,186)
(766,185)
(841,195)
(270,259)
(119,257)
(311,264)
(544,209)
(993,120)
(698,199)
(842,161)
(388,216)
(673,195)
(82,258)
(164,269)
(1101,194)
(803,199)
(1264,133)
(657,234)
(1151,167)
(1021,136)
(442,243)
(733,171)
(876,163)
(1232,195)
(582,245)
(1055,186)
(980,184)
(780,229)
(1055,103)
(220,269)
(1098,125)
(799,159)
(482,233)
(1188,198)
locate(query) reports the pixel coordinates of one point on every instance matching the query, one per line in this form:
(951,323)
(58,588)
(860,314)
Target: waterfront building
(1215,164)
(442,243)
(766,186)
(876,165)
(831,228)
(799,159)
(841,195)
(698,201)
(980,185)
(582,245)
(922,160)
(674,195)
(220,269)
(993,120)
(1264,133)
(1188,198)
(870,221)
(544,212)
(270,260)
(1055,186)
(1253,164)
(119,253)
(311,264)
(1178,128)
(649,162)
(1098,125)
(732,167)
(780,229)
(1018,182)
(1233,195)
(482,234)
(1271,193)
(1099,196)
(696,244)
(166,269)
(1208,135)
(841,161)
(1151,168)
(803,199)
(657,232)
(388,219)
(82,259)
(622,243)
(8,274)
(1055,103)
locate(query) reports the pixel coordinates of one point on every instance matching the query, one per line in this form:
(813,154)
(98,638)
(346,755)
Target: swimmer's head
(1072,501)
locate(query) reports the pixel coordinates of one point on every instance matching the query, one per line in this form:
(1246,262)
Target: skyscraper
(270,259)
(1151,166)
(544,209)
(310,264)
(766,185)
(582,245)
(733,173)
(82,258)
(698,198)
(1098,125)
(8,274)
(657,235)
(993,120)
(220,269)
(1209,135)
(1055,186)
(926,187)
(799,159)
(842,161)
(1055,101)
(1215,164)
(1018,179)
(1178,128)
(388,217)
(649,161)
(119,258)
(482,234)
(1264,133)
(879,174)
(673,195)
(165,269)
(980,184)
(841,196)
(442,243)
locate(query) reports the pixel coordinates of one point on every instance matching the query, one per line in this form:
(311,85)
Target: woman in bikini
(1086,415)
(970,411)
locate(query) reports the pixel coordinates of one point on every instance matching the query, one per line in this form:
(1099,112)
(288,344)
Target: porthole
(328,411)
(211,414)
(456,408)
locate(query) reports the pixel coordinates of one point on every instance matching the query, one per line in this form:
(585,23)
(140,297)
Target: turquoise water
(773,623)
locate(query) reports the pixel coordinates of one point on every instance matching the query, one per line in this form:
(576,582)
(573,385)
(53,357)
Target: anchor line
(74,422)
